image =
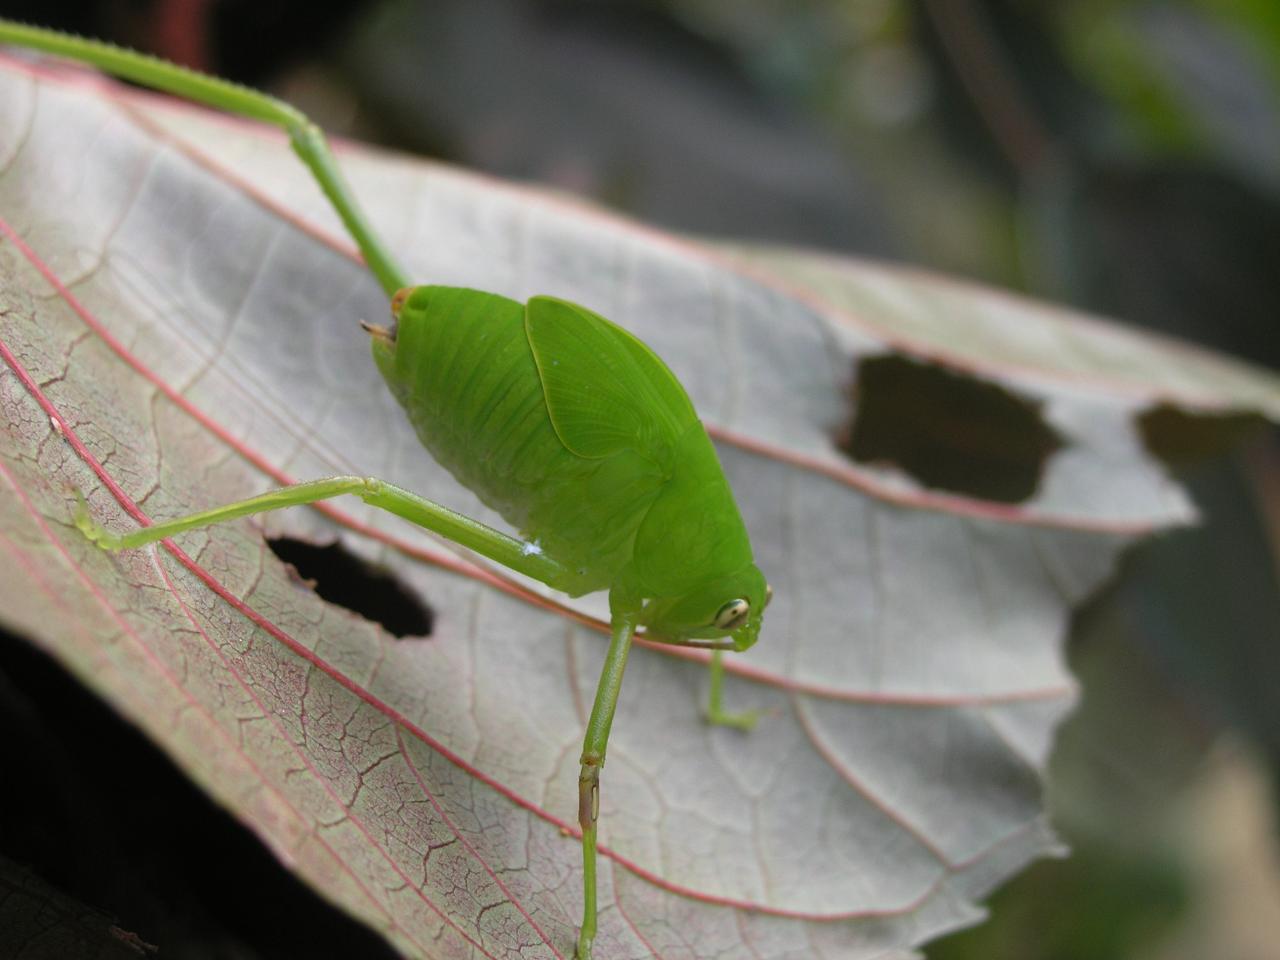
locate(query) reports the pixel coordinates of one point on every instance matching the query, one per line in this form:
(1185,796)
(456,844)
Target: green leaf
(179,327)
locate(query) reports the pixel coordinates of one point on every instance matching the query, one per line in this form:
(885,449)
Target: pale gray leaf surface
(191,338)
(787,344)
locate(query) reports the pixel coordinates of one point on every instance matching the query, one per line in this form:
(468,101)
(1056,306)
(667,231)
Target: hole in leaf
(950,431)
(341,577)
(1182,438)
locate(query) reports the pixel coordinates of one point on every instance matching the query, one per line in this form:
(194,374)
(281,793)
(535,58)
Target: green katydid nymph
(566,424)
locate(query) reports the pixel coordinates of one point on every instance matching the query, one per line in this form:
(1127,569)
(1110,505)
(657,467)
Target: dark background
(1117,155)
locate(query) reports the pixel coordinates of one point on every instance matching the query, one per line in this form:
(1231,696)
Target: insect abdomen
(461,367)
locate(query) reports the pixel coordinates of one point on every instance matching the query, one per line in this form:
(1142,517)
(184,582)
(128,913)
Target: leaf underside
(171,338)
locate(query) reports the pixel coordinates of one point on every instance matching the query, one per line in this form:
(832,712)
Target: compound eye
(732,615)
(768,595)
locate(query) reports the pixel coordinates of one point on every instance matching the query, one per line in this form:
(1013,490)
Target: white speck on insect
(531,549)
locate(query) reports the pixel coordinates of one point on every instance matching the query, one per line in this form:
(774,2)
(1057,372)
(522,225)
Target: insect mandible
(567,425)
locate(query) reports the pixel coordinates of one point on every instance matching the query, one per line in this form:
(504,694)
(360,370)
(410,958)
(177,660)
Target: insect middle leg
(497,546)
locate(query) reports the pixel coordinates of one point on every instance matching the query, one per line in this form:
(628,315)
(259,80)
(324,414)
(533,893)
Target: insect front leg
(715,713)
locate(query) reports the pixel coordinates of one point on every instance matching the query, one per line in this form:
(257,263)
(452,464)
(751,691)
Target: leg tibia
(299,493)
(486,541)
